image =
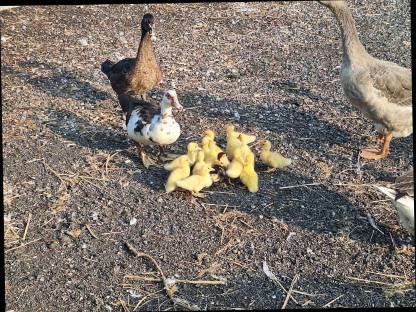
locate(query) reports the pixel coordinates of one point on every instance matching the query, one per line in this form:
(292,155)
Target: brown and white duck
(151,124)
(135,76)
(381,90)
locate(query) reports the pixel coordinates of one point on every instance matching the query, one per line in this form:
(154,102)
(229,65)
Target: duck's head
(229,128)
(170,98)
(193,147)
(333,4)
(209,133)
(148,25)
(266,145)
(243,138)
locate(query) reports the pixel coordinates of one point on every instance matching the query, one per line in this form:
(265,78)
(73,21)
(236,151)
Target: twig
(27,226)
(332,301)
(387,275)
(22,245)
(169,286)
(90,230)
(290,291)
(373,224)
(300,185)
(369,281)
(274,279)
(195,282)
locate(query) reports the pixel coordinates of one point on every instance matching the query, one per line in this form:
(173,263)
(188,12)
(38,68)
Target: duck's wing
(393,82)
(147,71)
(145,109)
(119,75)
(405,183)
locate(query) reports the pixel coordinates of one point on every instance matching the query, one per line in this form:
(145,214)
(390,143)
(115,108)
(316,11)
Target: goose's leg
(372,153)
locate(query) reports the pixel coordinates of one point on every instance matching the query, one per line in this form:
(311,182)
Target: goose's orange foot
(373,153)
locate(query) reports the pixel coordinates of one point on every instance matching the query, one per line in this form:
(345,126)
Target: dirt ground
(75,190)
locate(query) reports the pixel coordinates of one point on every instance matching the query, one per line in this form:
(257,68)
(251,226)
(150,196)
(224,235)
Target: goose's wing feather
(393,81)
(405,183)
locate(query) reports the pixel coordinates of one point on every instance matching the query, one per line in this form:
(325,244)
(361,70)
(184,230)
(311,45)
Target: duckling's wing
(405,183)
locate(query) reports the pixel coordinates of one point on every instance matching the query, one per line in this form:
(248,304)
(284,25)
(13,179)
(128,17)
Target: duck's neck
(351,44)
(145,50)
(166,111)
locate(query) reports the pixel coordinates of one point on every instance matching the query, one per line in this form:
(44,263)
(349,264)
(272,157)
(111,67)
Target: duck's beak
(177,105)
(153,37)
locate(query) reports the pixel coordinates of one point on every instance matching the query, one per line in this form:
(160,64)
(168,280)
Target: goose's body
(135,76)
(402,195)
(381,90)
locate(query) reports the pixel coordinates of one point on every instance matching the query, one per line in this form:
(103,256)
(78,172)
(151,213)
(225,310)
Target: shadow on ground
(60,83)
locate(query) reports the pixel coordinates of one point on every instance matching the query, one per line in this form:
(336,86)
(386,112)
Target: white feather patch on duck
(147,124)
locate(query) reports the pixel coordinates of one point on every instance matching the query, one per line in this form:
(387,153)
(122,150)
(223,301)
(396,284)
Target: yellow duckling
(272,159)
(248,137)
(180,172)
(236,165)
(200,163)
(190,156)
(232,141)
(245,150)
(209,134)
(248,175)
(196,182)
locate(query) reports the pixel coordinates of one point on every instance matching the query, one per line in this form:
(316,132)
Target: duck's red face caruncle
(173,99)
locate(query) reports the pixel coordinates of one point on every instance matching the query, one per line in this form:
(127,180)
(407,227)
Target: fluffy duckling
(232,141)
(245,149)
(200,163)
(192,148)
(236,165)
(196,182)
(248,175)
(182,171)
(214,155)
(272,159)
(248,137)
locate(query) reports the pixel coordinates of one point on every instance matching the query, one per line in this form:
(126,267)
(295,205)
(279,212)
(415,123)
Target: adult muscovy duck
(135,76)
(151,124)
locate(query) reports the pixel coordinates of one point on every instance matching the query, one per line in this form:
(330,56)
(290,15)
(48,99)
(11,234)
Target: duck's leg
(374,154)
(146,160)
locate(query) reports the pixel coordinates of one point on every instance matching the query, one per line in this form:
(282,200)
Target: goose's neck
(351,44)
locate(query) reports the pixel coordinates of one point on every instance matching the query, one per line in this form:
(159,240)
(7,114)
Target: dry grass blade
(22,245)
(331,302)
(27,226)
(169,285)
(290,291)
(90,230)
(274,279)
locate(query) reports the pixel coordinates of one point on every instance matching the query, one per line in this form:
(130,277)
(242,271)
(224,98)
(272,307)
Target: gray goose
(135,76)
(381,90)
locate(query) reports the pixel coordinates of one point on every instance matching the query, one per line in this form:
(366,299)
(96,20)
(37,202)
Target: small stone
(237,115)
(94,215)
(83,41)
(83,246)
(133,221)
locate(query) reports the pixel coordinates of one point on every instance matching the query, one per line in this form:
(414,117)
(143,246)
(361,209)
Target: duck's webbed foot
(375,154)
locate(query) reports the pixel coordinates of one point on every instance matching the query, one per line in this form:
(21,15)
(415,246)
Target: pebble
(94,215)
(133,221)
(83,42)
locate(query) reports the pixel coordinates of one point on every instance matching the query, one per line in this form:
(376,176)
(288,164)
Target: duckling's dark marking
(220,154)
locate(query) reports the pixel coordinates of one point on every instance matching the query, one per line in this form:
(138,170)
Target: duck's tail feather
(390,193)
(106,67)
